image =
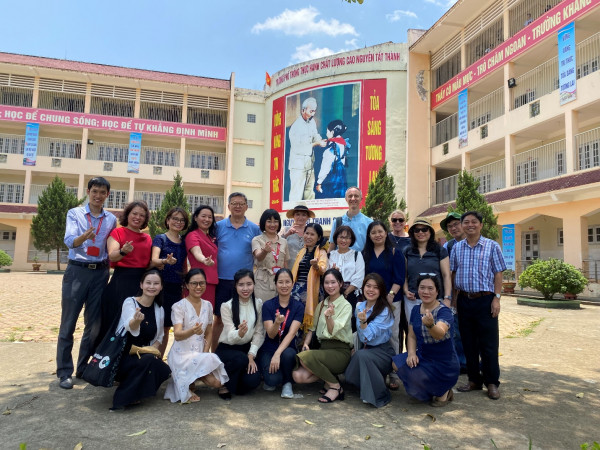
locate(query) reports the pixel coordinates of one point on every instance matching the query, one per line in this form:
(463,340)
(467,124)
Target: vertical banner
(372,146)
(567,64)
(508,245)
(463,119)
(135,147)
(277,139)
(32,132)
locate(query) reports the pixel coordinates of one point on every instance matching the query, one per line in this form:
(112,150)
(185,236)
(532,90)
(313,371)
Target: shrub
(5,260)
(552,276)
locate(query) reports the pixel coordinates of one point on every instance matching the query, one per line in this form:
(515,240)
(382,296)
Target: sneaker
(286,391)
(66,383)
(266,387)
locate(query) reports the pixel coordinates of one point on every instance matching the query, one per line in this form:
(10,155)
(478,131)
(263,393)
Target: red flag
(268,78)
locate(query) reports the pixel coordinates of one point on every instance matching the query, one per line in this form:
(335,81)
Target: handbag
(148,349)
(104,363)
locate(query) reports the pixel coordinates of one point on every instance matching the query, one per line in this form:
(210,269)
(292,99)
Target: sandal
(340,396)
(193,399)
(324,389)
(394,383)
(436,402)
(225,395)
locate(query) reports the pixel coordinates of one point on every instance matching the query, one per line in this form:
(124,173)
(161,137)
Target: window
(560,163)
(589,155)
(485,183)
(108,167)
(527,172)
(594,234)
(9,235)
(249,203)
(157,170)
(534,109)
(251,118)
(250,162)
(560,240)
(56,162)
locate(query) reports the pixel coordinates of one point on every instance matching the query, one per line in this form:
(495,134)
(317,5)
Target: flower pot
(36,267)
(508,287)
(569,296)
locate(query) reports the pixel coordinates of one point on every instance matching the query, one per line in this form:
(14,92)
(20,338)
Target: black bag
(104,363)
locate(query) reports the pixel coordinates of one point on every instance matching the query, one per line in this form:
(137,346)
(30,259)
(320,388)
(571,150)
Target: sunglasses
(421,230)
(397,220)
(430,274)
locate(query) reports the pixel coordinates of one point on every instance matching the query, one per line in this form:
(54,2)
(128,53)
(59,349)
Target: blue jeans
(287,361)
(460,352)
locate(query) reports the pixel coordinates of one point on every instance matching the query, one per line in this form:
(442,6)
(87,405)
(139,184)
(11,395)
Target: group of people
(254,303)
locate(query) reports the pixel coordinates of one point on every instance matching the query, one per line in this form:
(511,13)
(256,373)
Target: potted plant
(508,281)
(5,260)
(573,284)
(36,265)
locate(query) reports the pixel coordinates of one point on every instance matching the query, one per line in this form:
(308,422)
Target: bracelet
(122,253)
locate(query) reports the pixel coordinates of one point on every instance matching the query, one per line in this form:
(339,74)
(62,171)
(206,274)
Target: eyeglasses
(454,224)
(196,284)
(175,219)
(394,220)
(237,205)
(421,230)
(430,274)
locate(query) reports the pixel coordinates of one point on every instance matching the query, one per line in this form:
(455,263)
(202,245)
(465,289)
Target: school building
(509,90)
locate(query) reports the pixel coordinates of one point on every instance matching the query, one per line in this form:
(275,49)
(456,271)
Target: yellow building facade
(508,90)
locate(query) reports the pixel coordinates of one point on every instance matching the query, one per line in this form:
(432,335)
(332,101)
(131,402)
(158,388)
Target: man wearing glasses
(477,265)
(234,241)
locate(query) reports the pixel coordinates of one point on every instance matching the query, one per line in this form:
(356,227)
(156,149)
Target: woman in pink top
(202,248)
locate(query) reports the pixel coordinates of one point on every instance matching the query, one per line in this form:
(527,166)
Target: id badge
(275,269)
(93,251)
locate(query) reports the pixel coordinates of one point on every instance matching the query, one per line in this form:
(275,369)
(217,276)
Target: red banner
(99,122)
(372,146)
(543,27)
(277,139)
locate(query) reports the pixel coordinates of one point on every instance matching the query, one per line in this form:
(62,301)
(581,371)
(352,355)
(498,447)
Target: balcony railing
(588,56)
(445,189)
(14,96)
(486,108)
(153,199)
(36,190)
(446,129)
(204,160)
(11,192)
(12,144)
(158,156)
(588,151)
(491,176)
(59,148)
(591,269)
(160,111)
(540,163)
(112,107)
(215,202)
(61,101)
(532,85)
(108,151)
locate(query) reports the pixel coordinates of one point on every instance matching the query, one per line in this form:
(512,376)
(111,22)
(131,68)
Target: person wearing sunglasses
(424,256)
(398,235)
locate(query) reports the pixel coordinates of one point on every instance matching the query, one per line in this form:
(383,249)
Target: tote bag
(104,363)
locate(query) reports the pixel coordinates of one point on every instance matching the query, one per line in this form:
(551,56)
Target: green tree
(468,198)
(173,197)
(5,260)
(381,200)
(48,226)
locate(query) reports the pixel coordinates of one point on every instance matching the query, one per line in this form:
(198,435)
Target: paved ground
(550,395)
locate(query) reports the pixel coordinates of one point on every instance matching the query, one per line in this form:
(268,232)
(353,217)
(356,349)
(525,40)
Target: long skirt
(124,282)
(328,361)
(139,378)
(368,369)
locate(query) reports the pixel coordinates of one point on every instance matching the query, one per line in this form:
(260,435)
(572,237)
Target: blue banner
(463,119)
(32,132)
(135,147)
(508,245)
(567,64)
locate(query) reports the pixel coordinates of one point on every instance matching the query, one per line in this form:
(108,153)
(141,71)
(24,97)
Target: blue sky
(207,37)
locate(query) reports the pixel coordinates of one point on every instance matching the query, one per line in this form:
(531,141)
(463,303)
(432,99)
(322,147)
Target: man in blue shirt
(477,265)
(354,219)
(234,241)
(84,280)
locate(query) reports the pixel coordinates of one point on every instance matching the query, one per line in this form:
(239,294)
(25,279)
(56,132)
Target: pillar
(571,129)
(575,246)
(509,152)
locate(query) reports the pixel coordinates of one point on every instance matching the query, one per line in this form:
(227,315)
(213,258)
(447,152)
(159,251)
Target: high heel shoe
(340,397)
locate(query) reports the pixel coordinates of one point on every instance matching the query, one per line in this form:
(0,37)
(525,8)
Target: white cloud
(308,51)
(352,43)
(399,14)
(442,4)
(302,22)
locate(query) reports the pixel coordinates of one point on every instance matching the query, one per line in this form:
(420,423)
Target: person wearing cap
(295,234)
(451,224)
(477,265)
(354,219)
(424,256)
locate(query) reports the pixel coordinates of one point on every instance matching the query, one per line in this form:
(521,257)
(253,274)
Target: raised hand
(242,329)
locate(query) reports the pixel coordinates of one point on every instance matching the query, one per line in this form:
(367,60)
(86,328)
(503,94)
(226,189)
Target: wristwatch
(392,292)
(498,296)
(122,253)
(448,297)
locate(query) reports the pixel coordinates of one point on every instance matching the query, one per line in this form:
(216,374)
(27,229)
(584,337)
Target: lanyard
(276,255)
(87,216)
(282,325)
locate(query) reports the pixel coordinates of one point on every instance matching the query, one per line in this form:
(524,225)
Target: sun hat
(291,212)
(422,221)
